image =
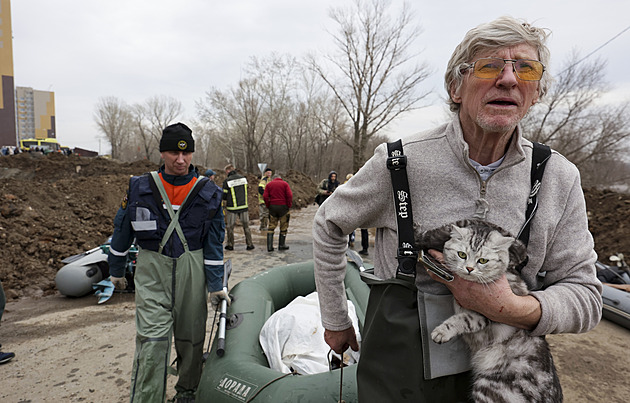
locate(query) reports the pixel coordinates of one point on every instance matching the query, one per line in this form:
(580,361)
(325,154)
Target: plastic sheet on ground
(104,290)
(293,337)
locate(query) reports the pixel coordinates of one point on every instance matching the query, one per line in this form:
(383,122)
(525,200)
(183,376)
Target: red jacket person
(278,199)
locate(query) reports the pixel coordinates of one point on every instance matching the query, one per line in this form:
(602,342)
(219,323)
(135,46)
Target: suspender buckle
(397,163)
(407,259)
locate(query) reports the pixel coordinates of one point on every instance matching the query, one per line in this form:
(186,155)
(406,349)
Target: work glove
(217,296)
(119,282)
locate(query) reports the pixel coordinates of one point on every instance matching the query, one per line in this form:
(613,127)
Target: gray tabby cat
(509,365)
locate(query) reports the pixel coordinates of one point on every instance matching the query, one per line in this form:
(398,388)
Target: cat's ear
(458,232)
(500,241)
(518,252)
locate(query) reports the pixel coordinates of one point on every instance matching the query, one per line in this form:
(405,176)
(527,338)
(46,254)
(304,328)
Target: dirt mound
(54,206)
(607,214)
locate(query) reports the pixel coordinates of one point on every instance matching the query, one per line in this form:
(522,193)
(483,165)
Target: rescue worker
(210,174)
(278,198)
(235,198)
(262,208)
(176,217)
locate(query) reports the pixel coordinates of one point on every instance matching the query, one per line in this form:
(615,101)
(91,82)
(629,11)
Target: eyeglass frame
(467,66)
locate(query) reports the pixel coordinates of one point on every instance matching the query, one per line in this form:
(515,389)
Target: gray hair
(276,176)
(500,33)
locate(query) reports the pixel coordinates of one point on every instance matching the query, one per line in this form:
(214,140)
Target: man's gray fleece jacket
(445,188)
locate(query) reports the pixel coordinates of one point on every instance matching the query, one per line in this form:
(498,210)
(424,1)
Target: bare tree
(161,111)
(573,120)
(142,134)
(377,74)
(114,120)
(279,114)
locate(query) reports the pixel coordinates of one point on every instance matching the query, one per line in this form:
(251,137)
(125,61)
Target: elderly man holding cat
(476,165)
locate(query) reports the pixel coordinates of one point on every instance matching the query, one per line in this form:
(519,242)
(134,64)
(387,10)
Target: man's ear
(535,100)
(455,96)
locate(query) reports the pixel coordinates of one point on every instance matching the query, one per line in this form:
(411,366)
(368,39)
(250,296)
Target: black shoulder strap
(540,156)
(407,255)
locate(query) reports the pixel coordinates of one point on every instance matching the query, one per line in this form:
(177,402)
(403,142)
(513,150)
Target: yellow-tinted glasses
(491,67)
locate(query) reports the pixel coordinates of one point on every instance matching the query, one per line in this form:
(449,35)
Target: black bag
(390,368)
(319,199)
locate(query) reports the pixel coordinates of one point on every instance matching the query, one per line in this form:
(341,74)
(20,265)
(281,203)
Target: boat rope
(214,321)
(341,365)
(341,384)
(293,372)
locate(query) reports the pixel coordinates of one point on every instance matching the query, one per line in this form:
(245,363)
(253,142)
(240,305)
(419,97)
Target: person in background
(279,199)
(235,198)
(177,266)
(326,187)
(210,174)
(4,357)
(262,208)
(477,165)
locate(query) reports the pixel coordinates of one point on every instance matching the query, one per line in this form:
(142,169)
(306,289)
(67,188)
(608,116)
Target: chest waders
(171,299)
(394,364)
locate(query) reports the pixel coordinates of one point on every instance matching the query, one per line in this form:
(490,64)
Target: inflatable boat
(242,373)
(75,279)
(616,301)
(616,306)
(81,272)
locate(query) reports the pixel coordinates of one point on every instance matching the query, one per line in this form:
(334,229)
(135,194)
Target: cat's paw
(442,334)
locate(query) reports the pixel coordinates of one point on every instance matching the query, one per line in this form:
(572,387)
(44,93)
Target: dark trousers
(365,239)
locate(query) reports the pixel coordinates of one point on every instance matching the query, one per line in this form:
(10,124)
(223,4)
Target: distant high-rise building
(8,133)
(35,113)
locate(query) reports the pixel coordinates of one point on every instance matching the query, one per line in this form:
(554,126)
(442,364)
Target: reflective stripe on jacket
(235,192)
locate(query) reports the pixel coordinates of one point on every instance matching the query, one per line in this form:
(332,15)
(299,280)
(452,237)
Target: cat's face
(475,258)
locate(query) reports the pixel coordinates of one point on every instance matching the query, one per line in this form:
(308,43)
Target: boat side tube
(616,306)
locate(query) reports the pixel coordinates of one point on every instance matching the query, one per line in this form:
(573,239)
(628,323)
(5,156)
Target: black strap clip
(407,259)
(397,162)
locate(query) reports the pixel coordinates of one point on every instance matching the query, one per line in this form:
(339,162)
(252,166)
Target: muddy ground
(74,350)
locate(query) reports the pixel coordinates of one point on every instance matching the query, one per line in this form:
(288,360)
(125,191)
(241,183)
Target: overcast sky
(133,49)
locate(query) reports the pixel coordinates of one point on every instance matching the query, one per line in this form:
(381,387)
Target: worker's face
(496,105)
(268,174)
(176,162)
(333,177)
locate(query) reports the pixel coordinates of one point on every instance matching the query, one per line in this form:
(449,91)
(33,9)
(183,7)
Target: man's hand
(217,296)
(119,282)
(339,341)
(495,300)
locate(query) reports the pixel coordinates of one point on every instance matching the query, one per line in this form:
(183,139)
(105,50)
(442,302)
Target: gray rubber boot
(281,243)
(270,242)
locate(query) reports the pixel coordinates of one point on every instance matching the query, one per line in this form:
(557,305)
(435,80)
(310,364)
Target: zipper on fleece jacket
(481,205)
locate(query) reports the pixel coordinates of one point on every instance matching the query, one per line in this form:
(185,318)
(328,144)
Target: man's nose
(508,77)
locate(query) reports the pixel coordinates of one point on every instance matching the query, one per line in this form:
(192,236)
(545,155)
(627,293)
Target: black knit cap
(177,137)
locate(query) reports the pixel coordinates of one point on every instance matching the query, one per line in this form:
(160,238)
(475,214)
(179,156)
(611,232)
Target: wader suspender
(407,254)
(540,155)
(174,224)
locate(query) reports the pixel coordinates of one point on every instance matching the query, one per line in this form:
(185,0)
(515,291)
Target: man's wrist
(519,311)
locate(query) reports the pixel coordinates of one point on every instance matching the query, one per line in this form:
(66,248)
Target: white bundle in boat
(293,337)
